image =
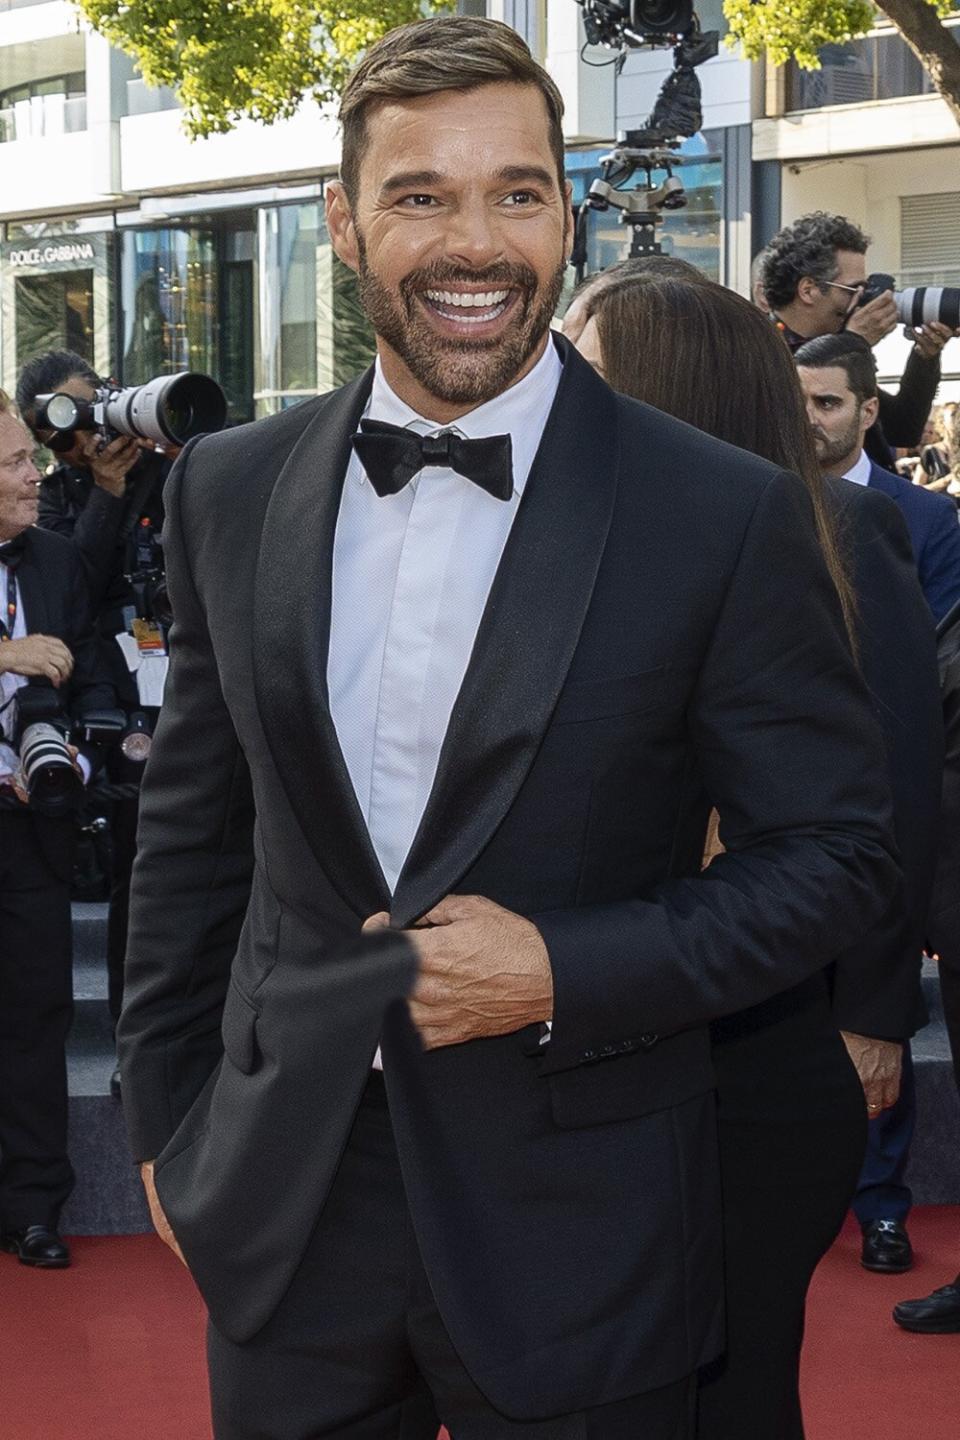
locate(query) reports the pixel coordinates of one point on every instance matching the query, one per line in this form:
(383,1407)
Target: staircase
(108,1198)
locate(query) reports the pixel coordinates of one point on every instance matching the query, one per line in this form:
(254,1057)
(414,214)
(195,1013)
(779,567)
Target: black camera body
(42,733)
(917,305)
(635,22)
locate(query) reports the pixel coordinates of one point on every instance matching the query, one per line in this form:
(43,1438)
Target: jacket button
(589,1055)
(608,1050)
(647,1042)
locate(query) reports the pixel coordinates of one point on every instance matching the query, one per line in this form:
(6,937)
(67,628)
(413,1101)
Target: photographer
(813,275)
(50,665)
(108,499)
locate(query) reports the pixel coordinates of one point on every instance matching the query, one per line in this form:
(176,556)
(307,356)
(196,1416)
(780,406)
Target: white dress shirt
(860,472)
(9,685)
(411,576)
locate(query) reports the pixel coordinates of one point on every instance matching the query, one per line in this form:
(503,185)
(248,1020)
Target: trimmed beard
(459,371)
(829,452)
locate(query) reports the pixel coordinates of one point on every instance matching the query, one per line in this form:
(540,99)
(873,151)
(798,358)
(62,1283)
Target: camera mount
(676,115)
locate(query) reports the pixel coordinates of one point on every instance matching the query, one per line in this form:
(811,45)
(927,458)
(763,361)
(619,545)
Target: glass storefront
(56,291)
(254,297)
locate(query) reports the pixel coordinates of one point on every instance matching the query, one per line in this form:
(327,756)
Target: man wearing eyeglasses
(813,276)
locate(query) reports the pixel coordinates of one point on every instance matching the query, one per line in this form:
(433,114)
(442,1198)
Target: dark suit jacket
(944,924)
(902,416)
(876,982)
(661,637)
(934,534)
(53,593)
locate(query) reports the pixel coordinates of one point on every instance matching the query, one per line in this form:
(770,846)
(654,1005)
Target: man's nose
(473,235)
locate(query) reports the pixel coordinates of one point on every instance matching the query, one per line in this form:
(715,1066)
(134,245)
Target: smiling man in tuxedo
(421,961)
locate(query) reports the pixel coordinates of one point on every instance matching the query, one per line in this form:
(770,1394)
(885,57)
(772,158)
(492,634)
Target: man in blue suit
(838,376)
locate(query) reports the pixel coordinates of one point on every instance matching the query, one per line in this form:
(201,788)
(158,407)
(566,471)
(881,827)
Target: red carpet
(112,1349)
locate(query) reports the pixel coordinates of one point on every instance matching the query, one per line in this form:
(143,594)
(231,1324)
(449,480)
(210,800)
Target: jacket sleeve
(91,687)
(904,415)
(195,842)
(94,531)
(938,562)
(876,981)
(789,753)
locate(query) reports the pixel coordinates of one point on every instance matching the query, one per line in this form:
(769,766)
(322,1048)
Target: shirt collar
(859,472)
(520,412)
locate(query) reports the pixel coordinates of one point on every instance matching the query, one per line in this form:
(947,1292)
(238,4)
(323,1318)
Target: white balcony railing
(42,116)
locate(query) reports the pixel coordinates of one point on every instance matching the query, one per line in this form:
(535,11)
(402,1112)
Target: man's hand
(483,971)
(160,1222)
(109,464)
(930,339)
(875,320)
(37,655)
(878,1063)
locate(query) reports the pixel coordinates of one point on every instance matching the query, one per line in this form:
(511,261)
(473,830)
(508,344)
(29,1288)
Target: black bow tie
(11,551)
(392,456)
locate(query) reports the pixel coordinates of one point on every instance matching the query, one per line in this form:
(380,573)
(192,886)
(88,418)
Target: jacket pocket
(623,694)
(238,1028)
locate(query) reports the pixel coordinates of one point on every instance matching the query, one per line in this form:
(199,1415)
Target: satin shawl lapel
(292,635)
(525,642)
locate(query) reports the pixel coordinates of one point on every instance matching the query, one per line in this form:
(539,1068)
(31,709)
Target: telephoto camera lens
(52,784)
(922,304)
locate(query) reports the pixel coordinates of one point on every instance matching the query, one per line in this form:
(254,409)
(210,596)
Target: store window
(54,312)
(287,358)
(168,297)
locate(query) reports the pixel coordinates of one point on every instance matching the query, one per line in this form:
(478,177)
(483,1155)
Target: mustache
(501,275)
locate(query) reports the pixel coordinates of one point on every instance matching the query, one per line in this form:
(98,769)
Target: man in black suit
(46,640)
(479,648)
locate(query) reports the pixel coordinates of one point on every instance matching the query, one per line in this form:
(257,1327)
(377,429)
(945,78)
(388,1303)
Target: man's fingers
(160,1222)
(454,907)
(380,921)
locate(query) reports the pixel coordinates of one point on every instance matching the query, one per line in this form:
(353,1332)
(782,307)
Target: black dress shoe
(116,1084)
(36,1245)
(936,1314)
(886,1247)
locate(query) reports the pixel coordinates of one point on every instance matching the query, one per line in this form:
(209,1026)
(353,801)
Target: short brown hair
(445,52)
(6,404)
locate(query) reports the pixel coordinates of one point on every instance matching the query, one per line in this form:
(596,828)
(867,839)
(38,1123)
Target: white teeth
(483,301)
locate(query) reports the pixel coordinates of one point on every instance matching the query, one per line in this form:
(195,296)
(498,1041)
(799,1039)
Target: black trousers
(358,1348)
(36,1008)
(792,1125)
(123,828)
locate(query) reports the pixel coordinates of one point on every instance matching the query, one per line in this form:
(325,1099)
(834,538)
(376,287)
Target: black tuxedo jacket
(661,636)
(53,593)
(876,982)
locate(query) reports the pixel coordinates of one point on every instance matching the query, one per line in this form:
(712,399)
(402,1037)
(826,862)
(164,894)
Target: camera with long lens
(169,410)
(917,305)
(618,23)
(676,115)
(42,734)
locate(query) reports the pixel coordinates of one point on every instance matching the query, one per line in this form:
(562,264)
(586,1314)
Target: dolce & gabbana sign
(64,253)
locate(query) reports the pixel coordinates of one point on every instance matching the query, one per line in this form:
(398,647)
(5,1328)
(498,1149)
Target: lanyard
(10,615)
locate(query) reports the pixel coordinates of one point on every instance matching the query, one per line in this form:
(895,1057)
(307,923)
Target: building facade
(149,253)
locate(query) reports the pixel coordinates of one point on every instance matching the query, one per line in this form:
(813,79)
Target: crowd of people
(552,800)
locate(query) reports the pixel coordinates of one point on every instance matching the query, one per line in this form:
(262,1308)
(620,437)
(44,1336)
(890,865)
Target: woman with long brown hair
(790,1105)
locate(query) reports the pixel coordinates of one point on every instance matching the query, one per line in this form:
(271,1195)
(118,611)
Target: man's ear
(569,221)
(869,411)
(808,291)
(340,226)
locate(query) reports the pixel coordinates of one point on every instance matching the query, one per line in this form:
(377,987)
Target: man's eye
(418,202)
(522,197)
